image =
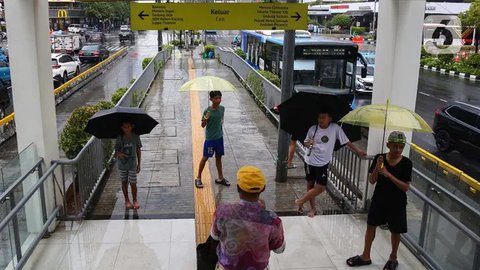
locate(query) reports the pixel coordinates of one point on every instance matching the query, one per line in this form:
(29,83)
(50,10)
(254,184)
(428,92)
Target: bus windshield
(321,75)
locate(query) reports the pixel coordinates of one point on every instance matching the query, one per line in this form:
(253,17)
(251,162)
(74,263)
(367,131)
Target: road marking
(428,95)
(204,199)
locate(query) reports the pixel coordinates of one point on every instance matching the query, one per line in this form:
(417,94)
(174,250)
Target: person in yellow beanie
(246,230)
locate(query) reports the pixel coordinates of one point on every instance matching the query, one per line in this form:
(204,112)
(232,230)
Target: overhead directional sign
(221,16)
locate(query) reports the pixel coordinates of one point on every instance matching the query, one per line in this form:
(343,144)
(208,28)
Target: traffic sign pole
(287,91)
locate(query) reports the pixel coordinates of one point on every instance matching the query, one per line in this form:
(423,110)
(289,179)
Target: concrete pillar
(30,65)
(400,25)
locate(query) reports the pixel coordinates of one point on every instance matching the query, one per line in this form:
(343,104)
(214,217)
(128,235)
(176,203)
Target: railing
(24,212)
(7,124)
(81,176)
(444,227)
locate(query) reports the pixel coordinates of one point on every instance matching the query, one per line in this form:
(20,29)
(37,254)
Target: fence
(81,176)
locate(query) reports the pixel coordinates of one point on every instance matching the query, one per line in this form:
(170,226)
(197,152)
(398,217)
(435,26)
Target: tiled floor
(320,243)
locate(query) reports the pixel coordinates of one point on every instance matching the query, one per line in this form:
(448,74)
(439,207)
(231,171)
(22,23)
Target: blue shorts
(211,147)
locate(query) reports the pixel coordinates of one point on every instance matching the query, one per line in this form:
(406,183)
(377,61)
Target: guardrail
(81,176)
(440,221)
(64,91)
(16,237)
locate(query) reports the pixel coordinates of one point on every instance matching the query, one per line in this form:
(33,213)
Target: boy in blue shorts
(212,121)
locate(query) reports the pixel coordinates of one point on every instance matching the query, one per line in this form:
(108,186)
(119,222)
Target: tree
(111,11)
(341,20)
(471,17)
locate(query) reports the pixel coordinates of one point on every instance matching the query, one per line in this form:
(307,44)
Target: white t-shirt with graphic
(322,150)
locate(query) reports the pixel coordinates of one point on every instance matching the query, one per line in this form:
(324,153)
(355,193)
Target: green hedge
(146,61)
(358,30)
(73,136)
(167,47)
(445,61)
(177,42)
(256,85)
(241,53)
(118,94)
(209,48)
(273,78)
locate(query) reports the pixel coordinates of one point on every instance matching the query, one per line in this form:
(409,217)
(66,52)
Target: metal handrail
(26,197)
(446,215)
(14,185)
(448,193)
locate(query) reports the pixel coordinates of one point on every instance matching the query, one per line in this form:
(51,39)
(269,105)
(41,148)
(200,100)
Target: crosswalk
(227,49)
(114,48)
(218,36)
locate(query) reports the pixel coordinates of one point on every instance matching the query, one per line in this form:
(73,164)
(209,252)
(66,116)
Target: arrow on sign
(297,16)
(141,15)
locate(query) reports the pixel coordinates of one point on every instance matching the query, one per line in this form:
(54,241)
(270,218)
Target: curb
(452,73)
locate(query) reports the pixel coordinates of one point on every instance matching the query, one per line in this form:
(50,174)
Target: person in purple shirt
(246,230)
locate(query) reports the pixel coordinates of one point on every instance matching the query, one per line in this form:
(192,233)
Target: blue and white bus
(321,65)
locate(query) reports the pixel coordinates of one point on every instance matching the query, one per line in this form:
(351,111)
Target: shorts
(317,174)
(211,147)
(396,218)
(128,175)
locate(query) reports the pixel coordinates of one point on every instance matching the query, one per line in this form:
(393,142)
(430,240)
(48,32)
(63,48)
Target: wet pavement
(165,183)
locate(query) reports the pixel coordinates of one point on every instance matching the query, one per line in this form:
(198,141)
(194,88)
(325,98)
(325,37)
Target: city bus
(321,65)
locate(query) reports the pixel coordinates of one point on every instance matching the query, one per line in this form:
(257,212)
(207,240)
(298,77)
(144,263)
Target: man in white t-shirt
(320,141)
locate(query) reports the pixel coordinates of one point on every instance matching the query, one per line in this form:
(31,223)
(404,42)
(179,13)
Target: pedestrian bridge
(96,232)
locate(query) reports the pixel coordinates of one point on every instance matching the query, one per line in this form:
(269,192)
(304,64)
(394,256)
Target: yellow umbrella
(207,83)
(387,116)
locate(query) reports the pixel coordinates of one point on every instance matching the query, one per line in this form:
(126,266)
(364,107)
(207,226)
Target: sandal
(222,182)
(198,183)
(293,166)
(391,265)
(357,261)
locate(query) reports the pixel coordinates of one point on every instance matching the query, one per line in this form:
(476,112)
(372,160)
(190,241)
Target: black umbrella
(300,112)
(106,124)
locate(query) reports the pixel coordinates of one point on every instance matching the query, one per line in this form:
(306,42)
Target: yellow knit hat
(250,179)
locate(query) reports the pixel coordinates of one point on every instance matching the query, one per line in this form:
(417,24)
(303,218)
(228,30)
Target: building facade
(65,12)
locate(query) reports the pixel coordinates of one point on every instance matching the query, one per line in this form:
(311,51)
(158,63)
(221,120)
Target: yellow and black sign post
(62,13)
(219,16)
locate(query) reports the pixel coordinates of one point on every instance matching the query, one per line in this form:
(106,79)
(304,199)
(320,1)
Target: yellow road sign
(219,16)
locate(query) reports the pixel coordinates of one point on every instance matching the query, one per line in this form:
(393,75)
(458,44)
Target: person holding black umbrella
(320,141)
(127,150)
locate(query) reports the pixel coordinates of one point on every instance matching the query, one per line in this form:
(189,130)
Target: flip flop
(391,265)
(292,167)
(222,182)
(198,183)
(357,261)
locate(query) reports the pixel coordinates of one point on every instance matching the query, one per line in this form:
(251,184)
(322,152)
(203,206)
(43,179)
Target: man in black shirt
(392,172)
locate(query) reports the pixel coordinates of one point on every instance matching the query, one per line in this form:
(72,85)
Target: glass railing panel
(448,245)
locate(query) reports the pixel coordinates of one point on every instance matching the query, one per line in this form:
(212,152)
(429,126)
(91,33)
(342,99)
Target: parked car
(5,98)
(95,37)
(93,52)
(64,67)
(74,28)
(126,34)
(365,84)
(211,32)
(456,126)
(124,27)
(5,73)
